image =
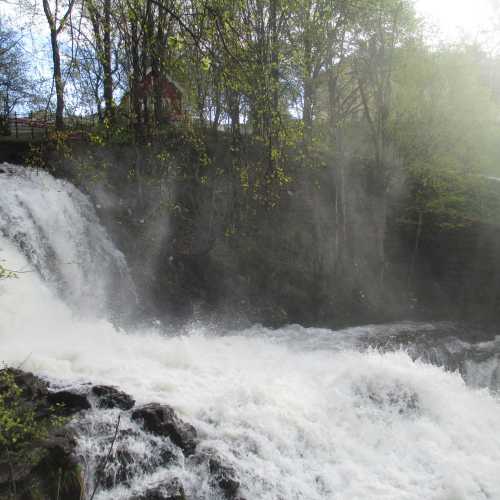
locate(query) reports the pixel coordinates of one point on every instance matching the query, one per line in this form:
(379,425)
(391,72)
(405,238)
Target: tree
(445,130)
(384,27)
(100,15)
(14,83)
(56,26)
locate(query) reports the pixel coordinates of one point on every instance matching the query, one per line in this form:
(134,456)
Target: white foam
(58,230)
(297,417)
(305,424)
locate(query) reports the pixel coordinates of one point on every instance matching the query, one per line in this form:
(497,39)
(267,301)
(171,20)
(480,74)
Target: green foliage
(445,129)
(33,469)
(6,273)
(313,83)
(20,426)
(14,83)
(17,423)
(35,158)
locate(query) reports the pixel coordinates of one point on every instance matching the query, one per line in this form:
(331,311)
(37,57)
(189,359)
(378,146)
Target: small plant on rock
(24,425)
(6,273)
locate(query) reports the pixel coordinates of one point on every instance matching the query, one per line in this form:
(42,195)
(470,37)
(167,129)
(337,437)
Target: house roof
(167,77)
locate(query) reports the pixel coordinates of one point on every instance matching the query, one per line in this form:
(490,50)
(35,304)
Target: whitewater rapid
(299,413)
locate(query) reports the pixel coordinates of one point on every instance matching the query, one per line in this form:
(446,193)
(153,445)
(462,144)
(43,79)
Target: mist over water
(405,411)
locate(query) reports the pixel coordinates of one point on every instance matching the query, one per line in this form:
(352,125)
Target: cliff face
(464,271)
(331,251)
(452,272)
(13,150)
(201,241)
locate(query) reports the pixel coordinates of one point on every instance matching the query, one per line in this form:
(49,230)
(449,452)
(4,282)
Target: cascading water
(57,229)
(299,413)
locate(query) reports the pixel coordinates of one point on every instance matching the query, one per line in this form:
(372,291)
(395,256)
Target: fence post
(31,123)
(15,123)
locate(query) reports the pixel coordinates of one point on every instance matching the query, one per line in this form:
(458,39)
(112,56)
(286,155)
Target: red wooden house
(163,88)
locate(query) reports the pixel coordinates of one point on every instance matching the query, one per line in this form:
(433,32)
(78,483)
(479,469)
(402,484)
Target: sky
(456,18)
(452,18)
(448,21)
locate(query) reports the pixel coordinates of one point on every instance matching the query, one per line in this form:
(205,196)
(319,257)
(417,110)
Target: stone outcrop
(46,466)
(68,403)
(168,490)
(162,420)
(111,397)
(43,464)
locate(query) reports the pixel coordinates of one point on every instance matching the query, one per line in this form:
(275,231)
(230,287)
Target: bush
(28,469)
(19,423)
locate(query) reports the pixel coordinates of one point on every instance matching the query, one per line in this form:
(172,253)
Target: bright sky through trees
(452,18)
(457,18)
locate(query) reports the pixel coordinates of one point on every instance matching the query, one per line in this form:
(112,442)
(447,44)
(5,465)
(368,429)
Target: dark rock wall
(463,269)
(331,252)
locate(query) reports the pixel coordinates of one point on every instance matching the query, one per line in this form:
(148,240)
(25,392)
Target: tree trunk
(233,100)
(308,112)
(56,59)
(157,70)
(308,78)
(134,87)
(107,63)
(218,110)
(418,234)
(272,119)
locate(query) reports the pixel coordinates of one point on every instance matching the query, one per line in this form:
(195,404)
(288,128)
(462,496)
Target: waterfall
(404,412)
(55,226)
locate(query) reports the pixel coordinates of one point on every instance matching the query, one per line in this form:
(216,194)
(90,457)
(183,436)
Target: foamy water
(300,413)
(57,229)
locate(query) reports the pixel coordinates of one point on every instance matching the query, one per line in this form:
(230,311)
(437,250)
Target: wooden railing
(37,127)
(26,127)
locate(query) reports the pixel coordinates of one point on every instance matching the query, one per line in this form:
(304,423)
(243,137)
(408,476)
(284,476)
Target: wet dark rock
(19,473)
(165,456)
(34,390)
(68,403)
(405,402)
(169,490)
(111,397)
(60,446)
(162,420)
(58,472)
(120,471)
(224,477)
(45,467)
(124,464)
(53,470)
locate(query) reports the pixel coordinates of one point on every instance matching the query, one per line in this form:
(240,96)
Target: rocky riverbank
(43,457)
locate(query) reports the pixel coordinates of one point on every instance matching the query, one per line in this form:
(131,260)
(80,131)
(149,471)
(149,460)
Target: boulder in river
(125,462)
(168,490)
(68,403)
(162,420)
(111,397)
(224,477)
(33,390)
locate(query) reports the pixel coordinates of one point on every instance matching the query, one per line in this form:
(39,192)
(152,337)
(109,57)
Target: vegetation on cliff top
(342,110)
